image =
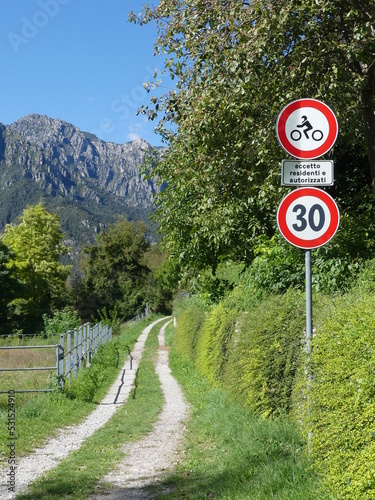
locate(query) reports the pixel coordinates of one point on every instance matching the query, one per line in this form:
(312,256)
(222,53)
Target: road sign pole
(308,280)
(308,276)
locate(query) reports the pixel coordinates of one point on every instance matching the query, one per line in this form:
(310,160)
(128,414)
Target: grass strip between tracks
(76,476)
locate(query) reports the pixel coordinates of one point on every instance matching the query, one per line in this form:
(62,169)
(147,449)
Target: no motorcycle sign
(306,128)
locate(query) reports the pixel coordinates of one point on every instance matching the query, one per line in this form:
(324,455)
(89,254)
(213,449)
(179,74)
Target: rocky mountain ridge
(74,172)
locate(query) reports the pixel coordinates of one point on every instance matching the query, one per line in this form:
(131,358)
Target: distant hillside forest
(117,275)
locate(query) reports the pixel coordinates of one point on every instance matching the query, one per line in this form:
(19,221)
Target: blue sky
(78,60)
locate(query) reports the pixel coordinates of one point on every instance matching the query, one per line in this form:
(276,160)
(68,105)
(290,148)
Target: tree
(236,65)
(114,272)
(9,287)
(36,245)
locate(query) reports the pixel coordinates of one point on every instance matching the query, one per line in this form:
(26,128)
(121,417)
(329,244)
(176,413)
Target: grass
(39,416)
(232,454)
(26,358)
(76,477)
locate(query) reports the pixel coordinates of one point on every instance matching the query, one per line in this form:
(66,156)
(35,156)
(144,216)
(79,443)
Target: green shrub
(265,351)
(110,318)
(212,343)
(342,397)
(277,265)
(365,282)
(107,355)
(61,322)
(90,379)
(253,354)
(190,315)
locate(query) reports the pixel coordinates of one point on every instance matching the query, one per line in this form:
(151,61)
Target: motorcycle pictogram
(296,135)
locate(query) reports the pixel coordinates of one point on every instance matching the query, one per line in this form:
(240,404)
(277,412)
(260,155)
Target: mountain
(87,181)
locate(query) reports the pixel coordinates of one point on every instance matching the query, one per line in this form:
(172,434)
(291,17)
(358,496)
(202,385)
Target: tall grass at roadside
(39,416)
(233,454)
(77,476)
(26,380)
(26,358)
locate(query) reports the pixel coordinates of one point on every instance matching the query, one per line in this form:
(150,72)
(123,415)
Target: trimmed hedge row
(266,352)
(342,412)
(254,348)
(253,354)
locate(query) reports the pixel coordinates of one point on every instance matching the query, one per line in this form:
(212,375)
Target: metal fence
(73,352)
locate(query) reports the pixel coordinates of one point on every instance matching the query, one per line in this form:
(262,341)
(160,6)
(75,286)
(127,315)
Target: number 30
(310,218)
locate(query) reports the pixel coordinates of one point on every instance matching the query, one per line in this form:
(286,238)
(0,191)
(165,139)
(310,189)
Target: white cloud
(135,132)
(132,136)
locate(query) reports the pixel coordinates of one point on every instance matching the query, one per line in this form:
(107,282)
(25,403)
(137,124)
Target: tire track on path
(70,438)
(147,461)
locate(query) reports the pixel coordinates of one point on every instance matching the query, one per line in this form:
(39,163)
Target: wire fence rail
(73,352)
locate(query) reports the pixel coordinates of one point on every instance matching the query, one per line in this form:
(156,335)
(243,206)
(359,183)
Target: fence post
(89,331)
(86,343)
(93,331)
(68,354)
(99,333)
(83,353)
(60,363)
(80,348)
(95,334)
(57,363)
(75,353)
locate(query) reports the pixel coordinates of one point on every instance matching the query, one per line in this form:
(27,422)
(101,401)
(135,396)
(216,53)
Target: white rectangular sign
(307,173)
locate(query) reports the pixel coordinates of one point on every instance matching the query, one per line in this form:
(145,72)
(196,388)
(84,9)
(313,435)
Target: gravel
(147,461)
(146,458)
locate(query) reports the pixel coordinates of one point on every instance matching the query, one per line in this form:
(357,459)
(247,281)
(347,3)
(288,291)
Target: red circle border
(288,146)
(299,242)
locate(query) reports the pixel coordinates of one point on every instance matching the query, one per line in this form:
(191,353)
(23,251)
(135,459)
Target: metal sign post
(308,280)
(309,329)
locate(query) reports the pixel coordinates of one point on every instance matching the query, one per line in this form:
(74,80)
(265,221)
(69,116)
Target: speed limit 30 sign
(308,218)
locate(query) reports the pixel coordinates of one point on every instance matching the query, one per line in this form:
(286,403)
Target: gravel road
(31,467)
(147,461)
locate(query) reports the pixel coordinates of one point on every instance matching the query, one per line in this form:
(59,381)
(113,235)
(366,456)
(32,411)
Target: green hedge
(253,354)
(265,353)
(254,348)
(190,313)
(342,399)
(212,348)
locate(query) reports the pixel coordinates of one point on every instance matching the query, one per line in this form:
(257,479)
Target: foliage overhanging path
(148,460)
(71,438)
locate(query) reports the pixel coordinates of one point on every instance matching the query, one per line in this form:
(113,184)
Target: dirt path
(148,460)
(70,438)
